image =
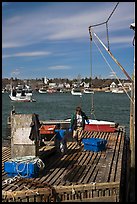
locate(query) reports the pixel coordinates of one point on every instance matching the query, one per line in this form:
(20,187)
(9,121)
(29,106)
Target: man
(78,123)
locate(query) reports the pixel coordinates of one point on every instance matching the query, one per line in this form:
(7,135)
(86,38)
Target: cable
(113,72)
(106,22)
(112,12)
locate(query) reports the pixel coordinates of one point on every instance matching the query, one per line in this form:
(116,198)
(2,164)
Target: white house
(113,85)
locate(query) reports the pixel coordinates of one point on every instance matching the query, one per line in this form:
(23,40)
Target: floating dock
(77,175)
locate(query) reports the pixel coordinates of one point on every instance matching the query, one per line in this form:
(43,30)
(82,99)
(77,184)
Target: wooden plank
(72,160)
(21,185)
(96,199)
(117,164)
(94,168)
(87,167)
(52,165)
(120,160)
(102,161)
(67,173)
(110,152)
(91,157)
(74,174)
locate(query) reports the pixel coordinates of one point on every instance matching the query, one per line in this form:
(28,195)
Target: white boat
(76,92)
(99,125)
(117,91)
(88,91)
(42,90)
(20,97)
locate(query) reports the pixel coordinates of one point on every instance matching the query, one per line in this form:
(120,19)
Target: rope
(26,160)
(112,12)
(51,139)
(106,22)
(113,72)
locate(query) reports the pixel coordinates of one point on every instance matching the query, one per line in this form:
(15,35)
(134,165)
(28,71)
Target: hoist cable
(106,22)
(113,71)
(112,12)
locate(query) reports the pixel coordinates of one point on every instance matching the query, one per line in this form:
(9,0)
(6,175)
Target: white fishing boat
(88,91)
(76,92)
(20,97)
(116,90)
(42,90)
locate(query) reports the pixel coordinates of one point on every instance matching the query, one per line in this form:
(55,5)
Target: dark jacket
(35,125)
(73,123)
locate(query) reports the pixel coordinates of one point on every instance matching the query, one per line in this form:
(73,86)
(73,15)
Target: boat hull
(76,93)
(42,91)
(101,126)
(21,99)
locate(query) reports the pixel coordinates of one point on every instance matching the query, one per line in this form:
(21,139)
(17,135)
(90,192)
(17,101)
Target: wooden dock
(77,175)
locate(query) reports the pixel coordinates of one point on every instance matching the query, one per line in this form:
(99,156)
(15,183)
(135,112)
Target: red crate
(47,129)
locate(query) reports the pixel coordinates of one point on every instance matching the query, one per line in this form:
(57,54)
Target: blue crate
(24,169)
(94,144)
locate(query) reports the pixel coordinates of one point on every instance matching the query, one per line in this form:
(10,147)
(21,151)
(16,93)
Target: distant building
(113,85)
(52,85)
(60,85)
(67,85)
(46,80)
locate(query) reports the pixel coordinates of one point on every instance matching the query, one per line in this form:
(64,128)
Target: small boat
(51,90)
(88,91)
(42,90)
(99,125)
(26,89)
(117,91)
(76,92)
(20,97)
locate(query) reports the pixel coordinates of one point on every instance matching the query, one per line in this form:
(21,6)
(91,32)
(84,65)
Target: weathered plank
(77,168)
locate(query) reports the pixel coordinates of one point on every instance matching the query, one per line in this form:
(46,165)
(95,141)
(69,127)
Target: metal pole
(114,58)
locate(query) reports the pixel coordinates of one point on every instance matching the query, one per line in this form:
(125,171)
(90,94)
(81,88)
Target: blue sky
(52,39)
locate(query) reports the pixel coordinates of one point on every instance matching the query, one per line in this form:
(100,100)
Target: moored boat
(99,125)
(76,92)
(117,91)
(42,90)
(88,91)
(22,97)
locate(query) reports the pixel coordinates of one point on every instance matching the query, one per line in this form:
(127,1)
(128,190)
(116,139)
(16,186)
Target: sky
(51,39)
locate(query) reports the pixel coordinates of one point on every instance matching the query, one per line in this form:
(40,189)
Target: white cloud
(59,67)
(27,54)
(40,26)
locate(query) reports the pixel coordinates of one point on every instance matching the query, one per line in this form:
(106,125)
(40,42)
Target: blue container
(94,144)
(23,169)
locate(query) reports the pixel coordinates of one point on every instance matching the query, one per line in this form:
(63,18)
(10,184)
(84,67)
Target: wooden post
(132,127)
(132,118)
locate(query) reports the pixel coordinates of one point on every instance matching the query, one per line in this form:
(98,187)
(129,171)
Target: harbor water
(107,106)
